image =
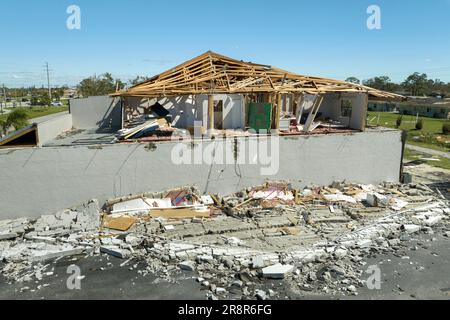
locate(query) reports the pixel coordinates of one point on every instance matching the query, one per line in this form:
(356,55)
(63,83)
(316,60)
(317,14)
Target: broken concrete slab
(44,255)
(277,271)
(339,198)
(8,235)
(187,265)
(410,228)
(116,251)
(88,216)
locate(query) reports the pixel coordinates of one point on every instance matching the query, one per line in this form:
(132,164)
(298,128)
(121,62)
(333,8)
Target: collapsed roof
(25,137)
(212,73)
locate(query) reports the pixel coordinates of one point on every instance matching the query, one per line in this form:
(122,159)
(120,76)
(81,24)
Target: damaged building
(114,146)
(304,193)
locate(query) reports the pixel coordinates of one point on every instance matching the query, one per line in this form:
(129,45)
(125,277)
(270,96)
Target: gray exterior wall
(53,127)
(101,112)
(39,181)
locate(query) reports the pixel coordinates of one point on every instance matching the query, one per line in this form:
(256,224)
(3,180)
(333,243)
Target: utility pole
(48,81)
(4,96)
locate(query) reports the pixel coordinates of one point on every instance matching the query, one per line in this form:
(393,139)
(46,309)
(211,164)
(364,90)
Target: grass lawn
(440,162)
(36,112)
(432,128)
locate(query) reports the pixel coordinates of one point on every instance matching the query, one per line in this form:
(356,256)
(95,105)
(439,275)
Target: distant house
(382,106)
(424,106)
(70,93)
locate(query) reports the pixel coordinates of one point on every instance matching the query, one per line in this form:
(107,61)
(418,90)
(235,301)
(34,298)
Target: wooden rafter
(233,76)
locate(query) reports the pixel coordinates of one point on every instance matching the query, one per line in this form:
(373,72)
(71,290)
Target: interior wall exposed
(185,110)
(332,108)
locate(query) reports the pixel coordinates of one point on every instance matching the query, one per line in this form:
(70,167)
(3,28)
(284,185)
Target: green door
(260,116)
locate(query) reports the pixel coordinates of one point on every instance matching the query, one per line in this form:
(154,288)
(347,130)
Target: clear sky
(143,37)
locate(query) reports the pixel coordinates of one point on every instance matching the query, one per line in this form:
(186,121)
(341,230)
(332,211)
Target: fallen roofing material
(25,137)
(302,241)
(212,72)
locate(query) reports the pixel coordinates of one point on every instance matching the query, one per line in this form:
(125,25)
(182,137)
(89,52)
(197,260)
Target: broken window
(346,108)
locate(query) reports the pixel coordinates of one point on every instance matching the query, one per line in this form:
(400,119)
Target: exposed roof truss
(212,73)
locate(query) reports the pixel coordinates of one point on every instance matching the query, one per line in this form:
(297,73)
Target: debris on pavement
(312,238)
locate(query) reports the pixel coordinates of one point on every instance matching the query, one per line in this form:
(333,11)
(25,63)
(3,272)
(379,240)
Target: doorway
(218,114)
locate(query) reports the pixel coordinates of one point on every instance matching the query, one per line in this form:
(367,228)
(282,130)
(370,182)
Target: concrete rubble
(314,239)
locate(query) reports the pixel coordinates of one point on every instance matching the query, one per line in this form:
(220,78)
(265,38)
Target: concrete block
(44,255)
(187,265)
(258,262)
(277,271)
(206,258)
(364,243)
(431,221)
(88,216)
(410,228)
(260,295)
(7,236)
(115,251)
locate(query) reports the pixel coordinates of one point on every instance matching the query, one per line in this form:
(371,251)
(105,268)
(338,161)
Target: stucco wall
(101,112)
(53,127)
(42,180)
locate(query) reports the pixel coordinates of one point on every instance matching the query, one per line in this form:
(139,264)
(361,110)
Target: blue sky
(136,37)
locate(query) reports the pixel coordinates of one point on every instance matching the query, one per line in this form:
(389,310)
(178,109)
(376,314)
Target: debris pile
(154,125)
(314,238)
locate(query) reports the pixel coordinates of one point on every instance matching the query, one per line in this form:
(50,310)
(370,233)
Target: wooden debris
(180,213)
(122,223)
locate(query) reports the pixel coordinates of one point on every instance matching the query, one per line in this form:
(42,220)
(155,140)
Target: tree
(353,80)
(44,99)
(99,85)
(417,84)
(381,83)
(34,101)
(18,119)
(58,93)
(138,80)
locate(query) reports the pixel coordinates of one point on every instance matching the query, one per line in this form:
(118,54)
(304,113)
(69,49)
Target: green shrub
(398,122)
(419,124)
(446,128)
(17,119)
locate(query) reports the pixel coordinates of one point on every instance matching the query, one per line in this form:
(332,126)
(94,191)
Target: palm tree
(16,119)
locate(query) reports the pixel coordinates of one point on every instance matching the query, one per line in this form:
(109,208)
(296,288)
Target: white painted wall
(331,108)
(187,109)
